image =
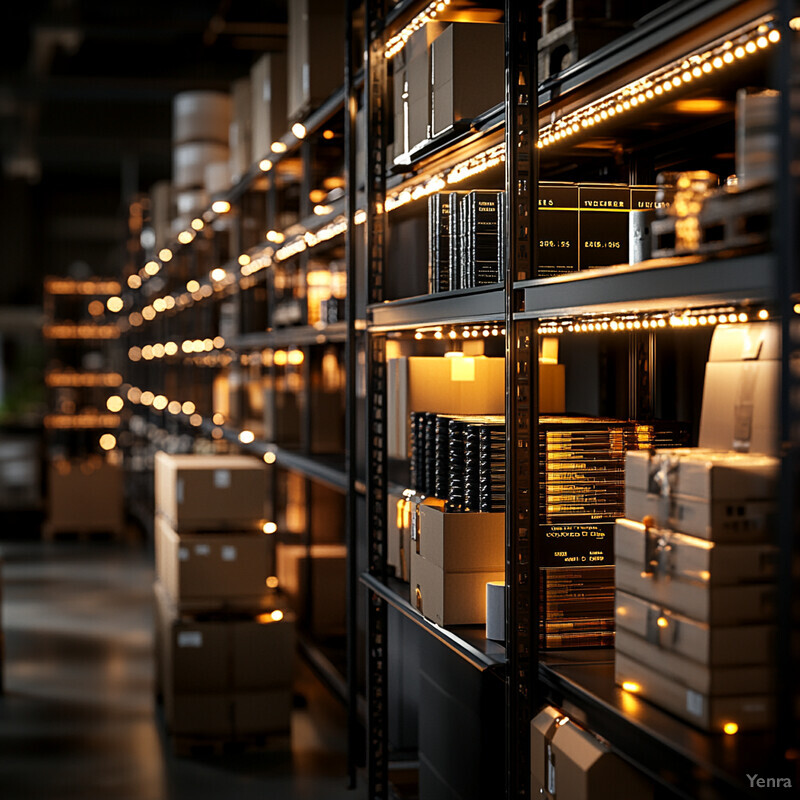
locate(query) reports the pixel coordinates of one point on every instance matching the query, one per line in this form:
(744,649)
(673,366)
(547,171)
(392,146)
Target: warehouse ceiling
(86,90)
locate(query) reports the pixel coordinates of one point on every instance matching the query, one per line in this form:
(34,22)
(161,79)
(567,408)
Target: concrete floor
(78,719)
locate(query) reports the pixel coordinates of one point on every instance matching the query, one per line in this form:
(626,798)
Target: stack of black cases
(466,239)
(461,460)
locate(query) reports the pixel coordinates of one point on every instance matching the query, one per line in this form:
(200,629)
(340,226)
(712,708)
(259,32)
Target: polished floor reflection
(78,720)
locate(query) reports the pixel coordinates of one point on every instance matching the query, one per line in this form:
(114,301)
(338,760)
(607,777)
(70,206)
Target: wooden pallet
(195,746)
(730,221)
(51,533)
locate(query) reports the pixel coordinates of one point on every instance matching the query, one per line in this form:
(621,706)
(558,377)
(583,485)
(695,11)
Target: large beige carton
(212,570)
(467,385)
(206,493)
(453,557)
(268,103)
(740,392)
(747,712)
(710,645)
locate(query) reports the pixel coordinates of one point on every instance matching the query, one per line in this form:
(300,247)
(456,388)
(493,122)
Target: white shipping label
(202,549)
(183,554)
(222,478)
(229,552)
(694,703)
(190,639)
(179,490)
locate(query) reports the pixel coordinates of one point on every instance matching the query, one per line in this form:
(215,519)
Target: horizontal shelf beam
(465,306)
(493,657)
(662,284)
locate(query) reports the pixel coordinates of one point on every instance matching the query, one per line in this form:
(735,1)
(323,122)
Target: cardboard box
(212,569)
(324,613)
(467,73)
(713,646)
(740,391)
(218,492)
(268,104)
(453,557)
(568,762)
(241,653)
(667,554)
(701,473)
(715,605)
(412,91)
(455,386)
(84,495)
(229,714)
(262,712)
(315,53)
(711,681)
(720,520)
(749,712)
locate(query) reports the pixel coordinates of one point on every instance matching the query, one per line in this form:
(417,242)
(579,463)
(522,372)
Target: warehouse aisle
(78,720)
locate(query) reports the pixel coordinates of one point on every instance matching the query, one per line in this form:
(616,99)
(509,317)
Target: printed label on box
(179,490)
(222,478)
(183,554)
(190,639)
(694,703)
(202,550)
(229,553)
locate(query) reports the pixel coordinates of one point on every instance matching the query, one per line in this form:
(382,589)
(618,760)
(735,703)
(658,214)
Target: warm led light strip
(75,421)
(187,347)
(629,322)
(460,331)
(714,57)
(161,403)
(63,286)
(80,331)
(309,239)
(758,36)
(398,41)
(82,379)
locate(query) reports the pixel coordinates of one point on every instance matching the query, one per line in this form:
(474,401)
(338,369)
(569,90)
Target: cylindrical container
(189,163)
(217,177)
(191,202)
(201,116)
(640,243)
(496,610)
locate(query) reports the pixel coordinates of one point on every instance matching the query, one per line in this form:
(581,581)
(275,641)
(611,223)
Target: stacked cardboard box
(567,761)
(694,578)
(224,647)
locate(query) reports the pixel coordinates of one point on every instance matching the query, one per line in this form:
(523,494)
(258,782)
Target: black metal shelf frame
(747,281)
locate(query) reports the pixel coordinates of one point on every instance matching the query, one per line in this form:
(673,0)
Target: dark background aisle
(78,720)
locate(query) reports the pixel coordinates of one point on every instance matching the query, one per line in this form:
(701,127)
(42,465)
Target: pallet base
(193,746)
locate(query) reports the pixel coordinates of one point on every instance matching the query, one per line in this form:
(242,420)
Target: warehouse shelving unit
(682,761)
(201,317)
(225,275)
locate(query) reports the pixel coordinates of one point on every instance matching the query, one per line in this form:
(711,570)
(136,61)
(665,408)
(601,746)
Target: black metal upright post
(787,250)
(522,396)
(351,539)
(377,116)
